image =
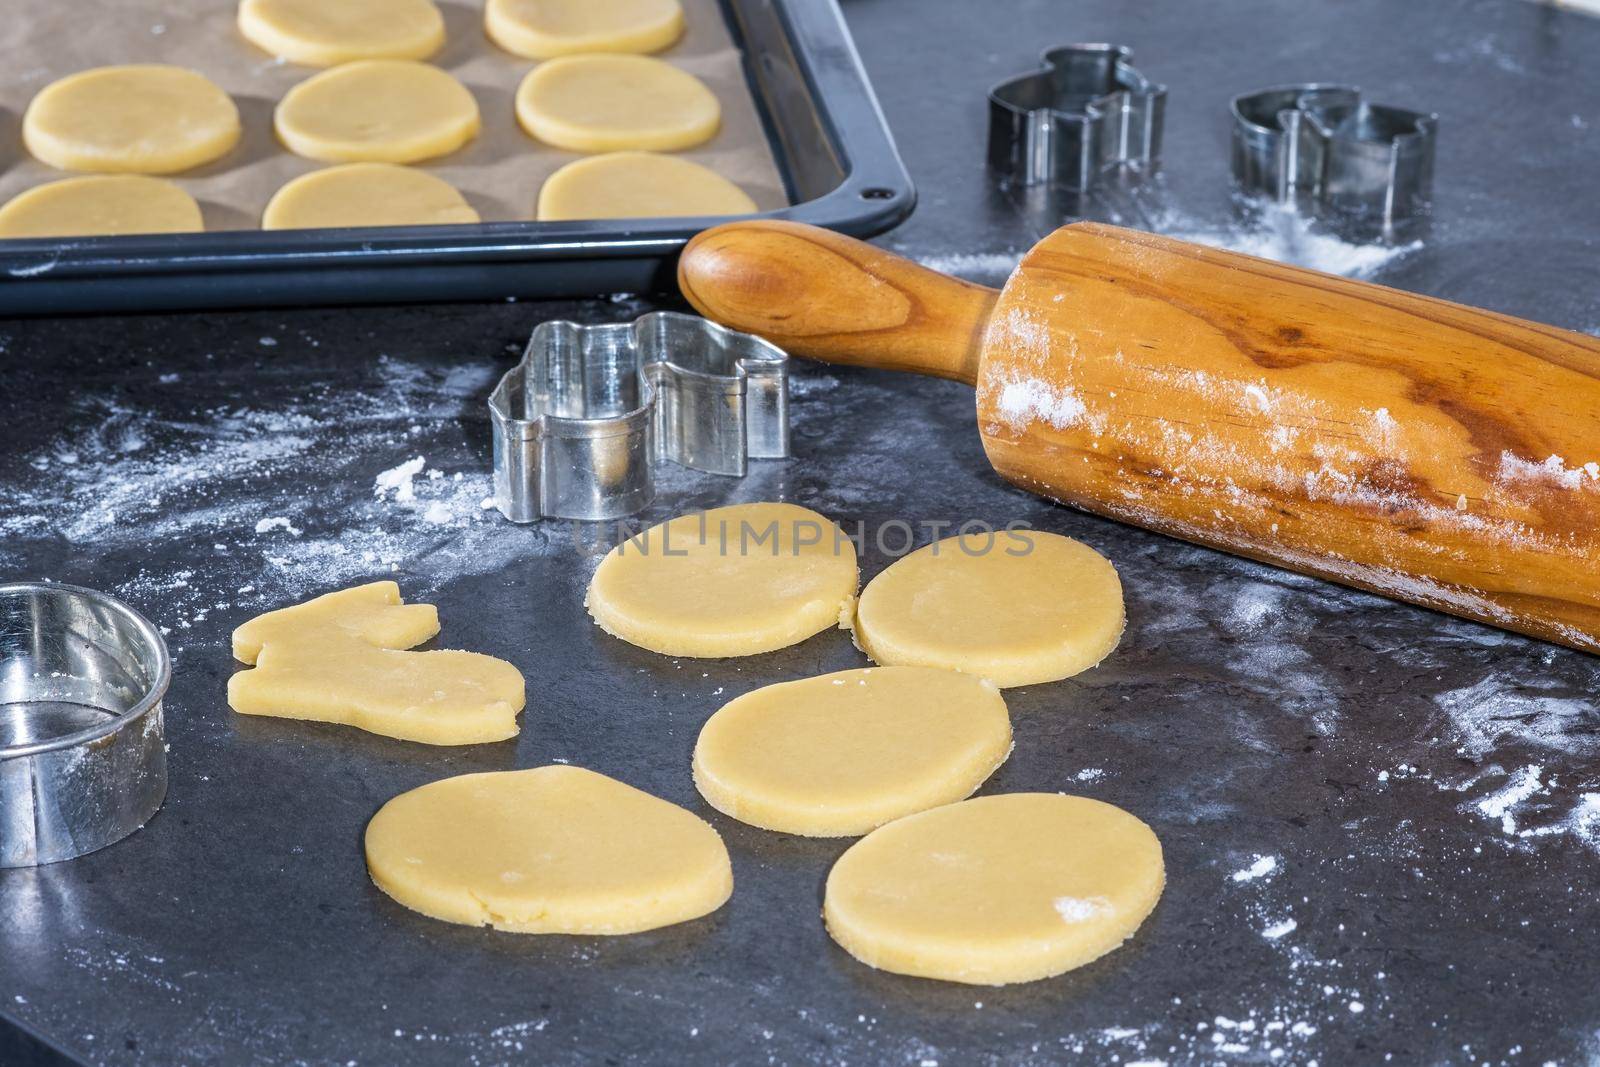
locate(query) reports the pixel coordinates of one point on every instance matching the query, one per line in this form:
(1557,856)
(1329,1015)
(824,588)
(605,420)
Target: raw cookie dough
(611,103)
(324,33)
(365,194)
(731,581)
(336,659)
(995,890)
(841,754)
(544,29)
(145,119)
(1017,608)
(638,185)
(377,111)
(100,205)
(552,850)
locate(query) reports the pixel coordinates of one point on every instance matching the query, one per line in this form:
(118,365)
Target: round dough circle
(142,119)
(552,850)
(545,29)
(377,111)
(731,581)
(638,185)
(1017,608)
(602,103)
(995,890)
(366,194)
(324,33)
(101,205)
(842,754)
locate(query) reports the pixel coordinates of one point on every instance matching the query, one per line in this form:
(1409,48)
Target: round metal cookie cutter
(82,747)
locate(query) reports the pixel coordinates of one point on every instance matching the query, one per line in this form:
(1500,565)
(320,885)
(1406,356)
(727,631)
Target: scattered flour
(278,522)
(1495,711)
(1583,822)
(1081,909)
(1485,50)
(1258,1035)
(398,480)
(1276,233)
(1281,928)
(1314,988)
(1262,867)
(1285,236)
(1255,605)
(1526,806)
(1026,400)
(271,498)
(1553,469)
(1501,805)
(1553,725)
(979,266)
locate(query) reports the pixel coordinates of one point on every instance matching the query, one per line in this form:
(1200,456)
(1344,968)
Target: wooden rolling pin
(1420,449)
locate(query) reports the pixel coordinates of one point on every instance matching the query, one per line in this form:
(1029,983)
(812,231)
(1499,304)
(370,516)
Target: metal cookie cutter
(1321,147)
(83,760)
(580,422)
(1086,110)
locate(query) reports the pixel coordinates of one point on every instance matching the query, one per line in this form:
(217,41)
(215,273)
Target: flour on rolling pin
(1280,235)
(1317,450)
(1024,399)
(1146,387)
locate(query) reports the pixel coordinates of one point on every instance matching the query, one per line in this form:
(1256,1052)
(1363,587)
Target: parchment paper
(499,173)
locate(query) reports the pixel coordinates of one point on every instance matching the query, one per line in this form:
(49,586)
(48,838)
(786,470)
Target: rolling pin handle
(819,294)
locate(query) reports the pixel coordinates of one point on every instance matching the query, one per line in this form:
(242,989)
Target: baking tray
(832,147)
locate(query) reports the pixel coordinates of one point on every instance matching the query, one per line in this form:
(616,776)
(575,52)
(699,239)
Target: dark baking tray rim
(820,116)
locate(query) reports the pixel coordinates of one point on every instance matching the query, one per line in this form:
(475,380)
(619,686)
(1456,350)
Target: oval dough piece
(731,581)
(1017,608)
(638,185)
(377,111)
(613,103)
(544,29)
(324,33)
(142,119)
(838,755)
(552,850)
(366,194)
(101,206)
(995,890)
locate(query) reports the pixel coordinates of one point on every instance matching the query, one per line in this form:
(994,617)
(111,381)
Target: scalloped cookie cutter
(1323,148)
(581,421)
(1084,111)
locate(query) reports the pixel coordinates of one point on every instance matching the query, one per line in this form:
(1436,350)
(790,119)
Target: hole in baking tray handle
(876,193)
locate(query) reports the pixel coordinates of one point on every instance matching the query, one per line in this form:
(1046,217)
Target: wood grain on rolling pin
(1346,430)
(824,296)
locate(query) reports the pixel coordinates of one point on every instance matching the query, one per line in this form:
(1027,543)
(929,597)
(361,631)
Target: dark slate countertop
(1382,825)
